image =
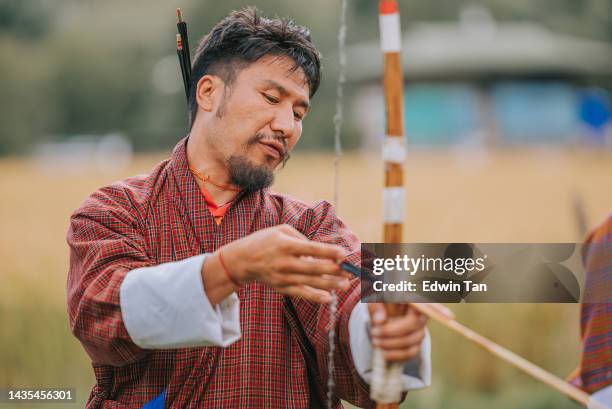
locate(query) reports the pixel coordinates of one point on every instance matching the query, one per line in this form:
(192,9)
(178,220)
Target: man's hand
(399,337)
(287,261)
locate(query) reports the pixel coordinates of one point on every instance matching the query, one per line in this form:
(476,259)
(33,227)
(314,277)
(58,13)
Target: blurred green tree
(69,67)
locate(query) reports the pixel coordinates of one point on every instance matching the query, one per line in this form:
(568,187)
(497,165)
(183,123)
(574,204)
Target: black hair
(244,37)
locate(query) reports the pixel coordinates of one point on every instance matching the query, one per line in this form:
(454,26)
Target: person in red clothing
(196,286)
(594,373)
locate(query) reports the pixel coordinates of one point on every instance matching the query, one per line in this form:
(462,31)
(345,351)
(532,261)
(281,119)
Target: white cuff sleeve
(417,371)
(165,306)
(602,399)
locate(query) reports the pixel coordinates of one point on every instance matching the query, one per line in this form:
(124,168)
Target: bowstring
(338,120)
(338,116)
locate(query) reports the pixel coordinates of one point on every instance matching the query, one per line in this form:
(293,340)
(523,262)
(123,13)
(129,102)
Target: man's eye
(270,99)
(298,116)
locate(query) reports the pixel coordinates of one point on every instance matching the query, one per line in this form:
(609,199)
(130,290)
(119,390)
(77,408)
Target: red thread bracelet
(227,272)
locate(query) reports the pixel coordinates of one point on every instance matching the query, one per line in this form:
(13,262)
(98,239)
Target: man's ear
(208,92)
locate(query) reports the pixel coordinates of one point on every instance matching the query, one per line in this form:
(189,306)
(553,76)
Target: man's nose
(283,123)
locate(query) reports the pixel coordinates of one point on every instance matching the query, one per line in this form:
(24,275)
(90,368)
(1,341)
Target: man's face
(258,120)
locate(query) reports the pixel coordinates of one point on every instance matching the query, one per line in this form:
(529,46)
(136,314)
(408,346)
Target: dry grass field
(453,196)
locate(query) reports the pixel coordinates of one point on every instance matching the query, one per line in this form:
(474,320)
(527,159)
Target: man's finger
(315,249)
(399,326)
(401,355)
(343,272)
(311,267)
(378,313)
(403,342)
(323,282)
(308,293)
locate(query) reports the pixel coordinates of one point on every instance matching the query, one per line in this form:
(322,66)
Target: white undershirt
(165,306)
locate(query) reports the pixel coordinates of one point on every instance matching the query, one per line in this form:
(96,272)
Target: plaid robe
(281,359)
(595,369)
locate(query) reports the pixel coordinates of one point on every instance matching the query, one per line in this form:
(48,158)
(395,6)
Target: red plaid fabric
(595,369)
(281,360)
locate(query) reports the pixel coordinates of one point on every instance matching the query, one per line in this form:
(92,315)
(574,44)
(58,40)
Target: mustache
(258,137)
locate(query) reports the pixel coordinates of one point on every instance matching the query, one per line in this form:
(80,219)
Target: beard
(248,176)
(251,177)
(243,173)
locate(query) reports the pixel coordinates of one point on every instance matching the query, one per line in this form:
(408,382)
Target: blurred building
(106,153)
(480,82)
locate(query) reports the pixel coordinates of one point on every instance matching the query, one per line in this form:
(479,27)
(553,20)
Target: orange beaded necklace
(206,179)
(218,211)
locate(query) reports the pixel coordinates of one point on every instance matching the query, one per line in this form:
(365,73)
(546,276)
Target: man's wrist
(228,273)
(217,285)
(234,266)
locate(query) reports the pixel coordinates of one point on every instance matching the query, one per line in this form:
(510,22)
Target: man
(195,286)
(594,372)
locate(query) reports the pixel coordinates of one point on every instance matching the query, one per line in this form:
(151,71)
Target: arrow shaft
(519,362)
